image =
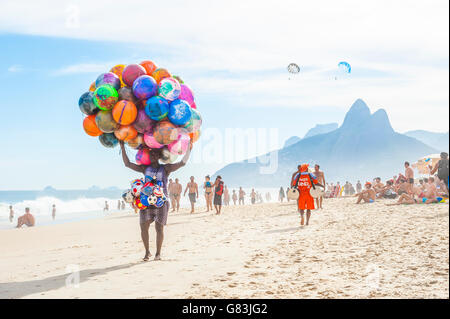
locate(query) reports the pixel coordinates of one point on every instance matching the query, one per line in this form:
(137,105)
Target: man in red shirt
(305,201)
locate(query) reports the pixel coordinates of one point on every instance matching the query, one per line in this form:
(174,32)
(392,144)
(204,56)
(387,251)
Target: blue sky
(233,56)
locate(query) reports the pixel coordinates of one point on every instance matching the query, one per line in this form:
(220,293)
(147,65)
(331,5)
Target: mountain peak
(380,121)
(358,113)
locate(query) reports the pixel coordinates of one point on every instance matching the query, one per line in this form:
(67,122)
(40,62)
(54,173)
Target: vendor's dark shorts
(411,180)
(217,200)
(192,197)
(152,214)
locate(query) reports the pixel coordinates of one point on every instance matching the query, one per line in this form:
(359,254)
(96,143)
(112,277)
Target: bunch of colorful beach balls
(145,194)
(144,106)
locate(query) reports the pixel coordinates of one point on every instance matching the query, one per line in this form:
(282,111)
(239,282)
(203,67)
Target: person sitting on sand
(305,201)
(368,195)
(388,190)
(378,185)
(154,214)
(11,214)
(26,219)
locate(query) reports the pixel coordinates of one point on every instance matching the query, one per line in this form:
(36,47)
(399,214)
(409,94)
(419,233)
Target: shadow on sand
(25,288)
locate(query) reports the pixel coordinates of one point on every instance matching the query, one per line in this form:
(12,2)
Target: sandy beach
(260,251)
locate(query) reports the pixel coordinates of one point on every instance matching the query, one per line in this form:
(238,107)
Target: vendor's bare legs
(145,239)
(159,239)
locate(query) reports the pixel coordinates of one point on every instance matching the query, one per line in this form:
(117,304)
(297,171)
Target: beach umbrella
(422,164)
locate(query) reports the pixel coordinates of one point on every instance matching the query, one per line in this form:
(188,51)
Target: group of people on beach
(408,190)
(215,193)
(27,219)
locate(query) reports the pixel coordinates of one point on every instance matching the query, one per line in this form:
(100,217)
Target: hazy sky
(232,53)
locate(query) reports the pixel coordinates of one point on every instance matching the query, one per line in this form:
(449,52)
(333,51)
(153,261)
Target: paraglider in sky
(293,69)
(345,67)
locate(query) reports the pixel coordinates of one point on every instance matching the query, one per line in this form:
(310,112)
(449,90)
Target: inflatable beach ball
(86,103)
(160,74)
(167,157)
(157,108)
(165,132)
(159,202)
(126,93)
(125,133)
(131,73)
(105,122)
(127,196)
(186,94)
(169,88)
(108,78)
(180,146)
(151,142)
(195,121)
(105,97)
(90,127)
(144,87)
(143,157)
(108,140)
(143,124)
(136,187)
(179,112)
(136,142)
(139,204)
(149,66)
(124,112)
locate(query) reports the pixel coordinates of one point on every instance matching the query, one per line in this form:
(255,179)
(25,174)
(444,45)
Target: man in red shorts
(305,200)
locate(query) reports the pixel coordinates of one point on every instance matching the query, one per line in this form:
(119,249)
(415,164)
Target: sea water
(82,205)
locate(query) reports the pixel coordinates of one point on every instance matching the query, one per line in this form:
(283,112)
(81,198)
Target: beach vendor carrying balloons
(304,182)
(159,172)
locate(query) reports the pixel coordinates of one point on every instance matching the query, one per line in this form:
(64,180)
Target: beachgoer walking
(106,208)
(150,214)
(207,185)
(226,196)
(234,197)
(253,196)
(177,190)
(192,187)
(358,187)
(305,201)
(54,211)
(320,175)
(11,214)
(218,192)
(241,196)
(281,194)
